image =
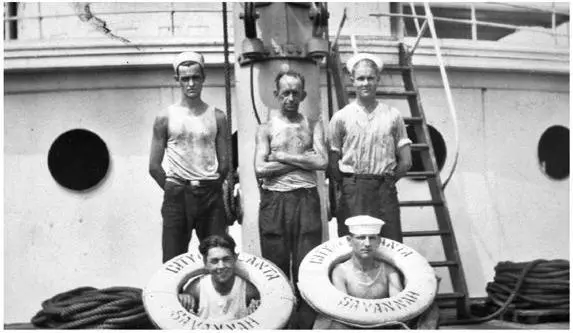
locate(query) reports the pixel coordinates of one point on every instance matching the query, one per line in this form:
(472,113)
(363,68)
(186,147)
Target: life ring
(319,292)
(161,302)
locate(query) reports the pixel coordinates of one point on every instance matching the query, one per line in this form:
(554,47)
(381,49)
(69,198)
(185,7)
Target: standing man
(191,134)
(289,149)
(369,151)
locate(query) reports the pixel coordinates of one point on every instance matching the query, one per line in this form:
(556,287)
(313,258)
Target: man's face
(365,79)
(220,263)
(364,246)
(191,80)
(290,94)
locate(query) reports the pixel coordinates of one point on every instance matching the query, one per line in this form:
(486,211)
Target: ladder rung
(395,92)
(398,93)
(447,296)
(447,263)
(425,233)
(413,120)
(420,203)
(396,68)
(420,174)
(419,146)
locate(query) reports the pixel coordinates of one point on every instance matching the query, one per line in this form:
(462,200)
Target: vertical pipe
(279,23)
(400,28)
(474,21)
(328,69)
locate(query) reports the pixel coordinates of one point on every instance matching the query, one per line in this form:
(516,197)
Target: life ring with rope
(160,296)
(318,291)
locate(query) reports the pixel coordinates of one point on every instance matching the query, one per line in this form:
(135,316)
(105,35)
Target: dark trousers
(290,226)
(187,207)
(374,196)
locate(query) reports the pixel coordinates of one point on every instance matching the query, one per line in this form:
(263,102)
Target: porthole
(438,144)
(78,159)
(553,152)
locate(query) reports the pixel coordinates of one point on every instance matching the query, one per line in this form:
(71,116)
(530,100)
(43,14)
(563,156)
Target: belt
(364,176)
(196,183)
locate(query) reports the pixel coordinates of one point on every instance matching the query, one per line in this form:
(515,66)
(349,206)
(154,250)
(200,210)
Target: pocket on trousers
(310,219)
(270,217)
(172,189)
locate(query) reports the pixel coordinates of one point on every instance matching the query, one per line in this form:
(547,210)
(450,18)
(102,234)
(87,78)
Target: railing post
(474,21)
(7,30)
(172,15)
(40,20)
(554,23)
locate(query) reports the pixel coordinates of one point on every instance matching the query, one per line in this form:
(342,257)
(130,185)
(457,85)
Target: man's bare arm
(316,159)
(404,161)
(263,167)
(251,293)
(222,145)
(158,145)
(394,284)
(189,297)
(339,278)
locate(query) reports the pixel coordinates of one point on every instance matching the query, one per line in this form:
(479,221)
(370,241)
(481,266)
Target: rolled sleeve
(400,133)
(403,142)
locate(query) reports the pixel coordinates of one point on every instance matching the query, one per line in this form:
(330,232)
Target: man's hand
(187,301)
(253,305)
(276,156)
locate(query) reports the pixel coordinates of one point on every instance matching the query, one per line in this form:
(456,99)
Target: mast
(289,39)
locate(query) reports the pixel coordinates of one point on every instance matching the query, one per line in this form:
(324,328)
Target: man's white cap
(361,56)
(188,56)
(364,225)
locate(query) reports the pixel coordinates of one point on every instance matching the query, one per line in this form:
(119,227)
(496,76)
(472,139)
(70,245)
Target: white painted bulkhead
(503,207)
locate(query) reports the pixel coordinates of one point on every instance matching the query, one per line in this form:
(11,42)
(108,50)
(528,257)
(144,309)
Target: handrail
(146,11)
(478,22)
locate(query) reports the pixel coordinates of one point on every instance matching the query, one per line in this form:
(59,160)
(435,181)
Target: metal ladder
(459,296)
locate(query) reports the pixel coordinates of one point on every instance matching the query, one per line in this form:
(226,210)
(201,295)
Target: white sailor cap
(188,56)
(364,225)
(361,56)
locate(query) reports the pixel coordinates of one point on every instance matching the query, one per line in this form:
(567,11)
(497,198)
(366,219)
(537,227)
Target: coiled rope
(535,285)
(545,286)
(88,307)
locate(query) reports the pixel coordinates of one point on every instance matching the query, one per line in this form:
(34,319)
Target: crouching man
(364,276)
(221,294)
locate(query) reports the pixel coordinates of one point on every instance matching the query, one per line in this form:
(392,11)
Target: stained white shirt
(191,151)
(368,142)
(214,306)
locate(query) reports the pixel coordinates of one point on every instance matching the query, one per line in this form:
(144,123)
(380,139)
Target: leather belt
(364,176)
(196,183)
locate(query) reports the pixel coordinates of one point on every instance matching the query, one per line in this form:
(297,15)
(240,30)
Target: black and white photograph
(286,165)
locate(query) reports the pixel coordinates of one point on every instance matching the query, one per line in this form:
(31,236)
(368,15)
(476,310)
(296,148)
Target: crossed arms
(274,164)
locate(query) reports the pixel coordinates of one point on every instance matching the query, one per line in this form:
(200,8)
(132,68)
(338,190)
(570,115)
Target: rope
(534,285)
(253,96)
(448,91)
(230,208)
(88,307)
